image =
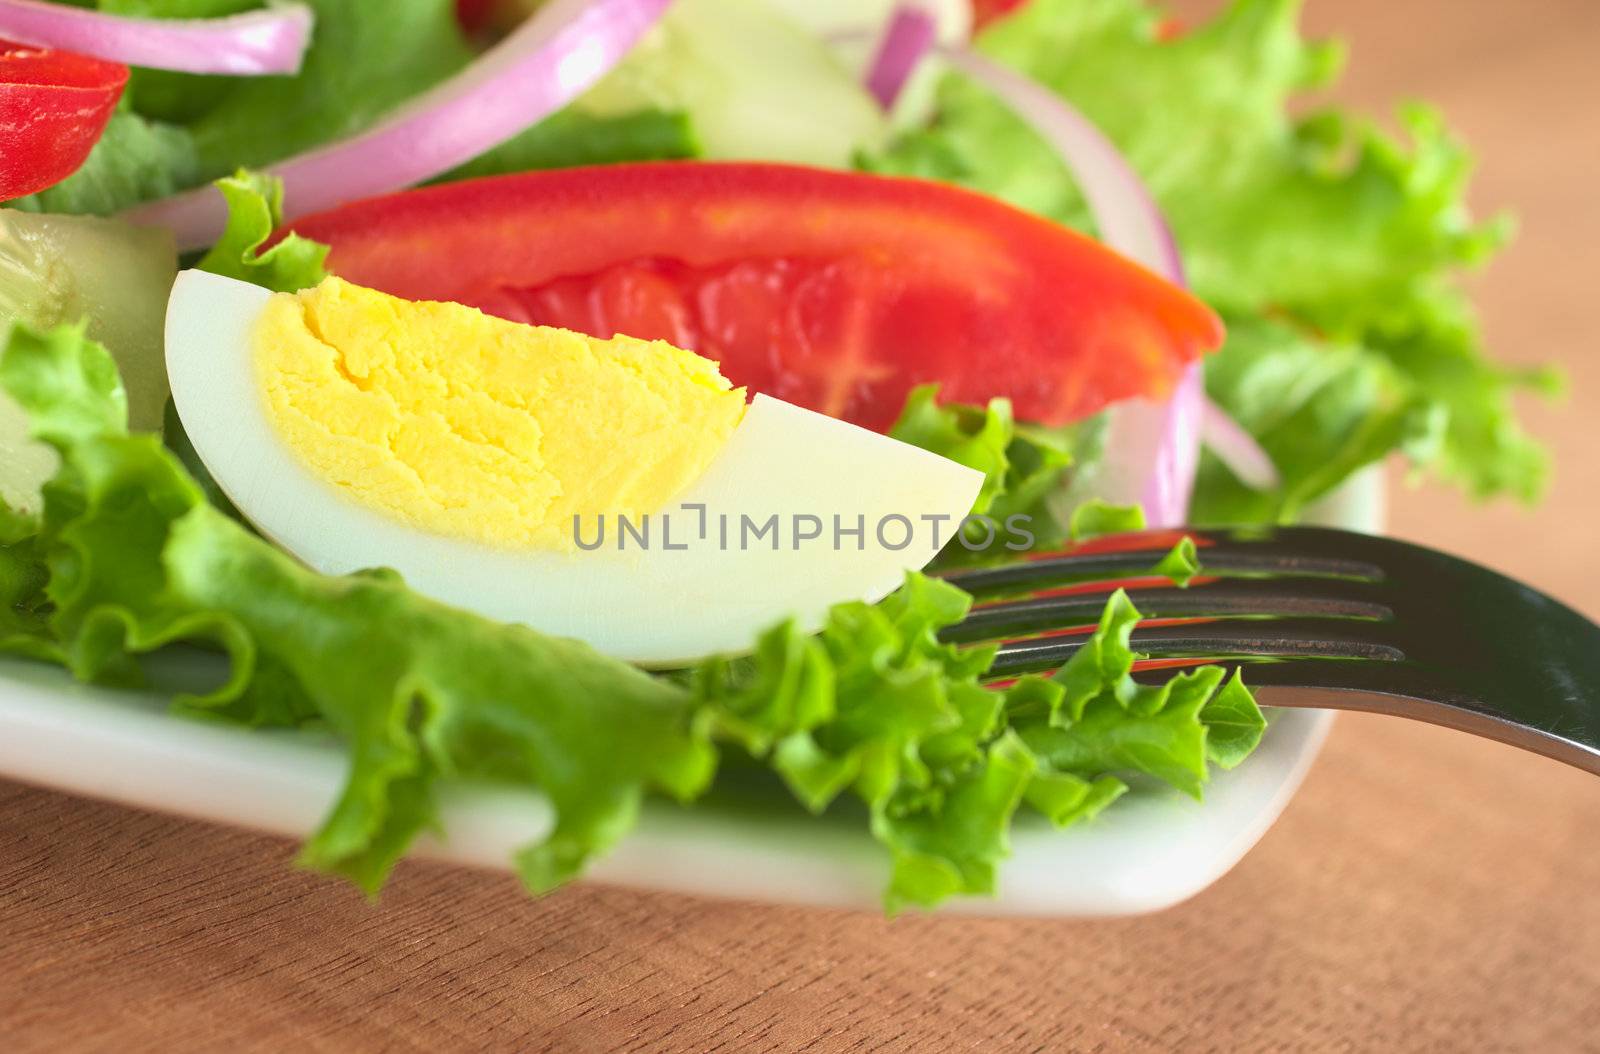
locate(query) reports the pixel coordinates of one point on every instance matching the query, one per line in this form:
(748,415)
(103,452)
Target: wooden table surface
(1426,891)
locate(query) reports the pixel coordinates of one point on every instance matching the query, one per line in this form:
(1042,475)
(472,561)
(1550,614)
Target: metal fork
(1318,618)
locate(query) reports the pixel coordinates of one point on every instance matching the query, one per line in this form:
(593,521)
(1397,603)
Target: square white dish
(1150,850)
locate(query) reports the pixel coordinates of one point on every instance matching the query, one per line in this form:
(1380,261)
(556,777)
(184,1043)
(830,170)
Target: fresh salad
(588,395)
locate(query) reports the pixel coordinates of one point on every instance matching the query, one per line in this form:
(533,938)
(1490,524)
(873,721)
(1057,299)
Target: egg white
(652,606)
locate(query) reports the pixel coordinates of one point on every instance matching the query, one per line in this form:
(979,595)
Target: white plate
(1150,850)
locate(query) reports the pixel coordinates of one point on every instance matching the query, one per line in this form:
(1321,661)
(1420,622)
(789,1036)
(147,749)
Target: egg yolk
(467,425)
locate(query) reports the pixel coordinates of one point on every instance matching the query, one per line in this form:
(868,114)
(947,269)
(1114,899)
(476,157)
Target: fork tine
(1212,641)
(1132,555)
(1223,599)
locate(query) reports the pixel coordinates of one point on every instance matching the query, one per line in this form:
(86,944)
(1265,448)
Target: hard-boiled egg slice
(706,579)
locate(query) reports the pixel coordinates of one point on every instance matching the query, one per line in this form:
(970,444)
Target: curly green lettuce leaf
(978,437)
(877,708)
(1104,721)
(1181,564)
(1097,517)
(1314,235)
(1320,409)
(1234,723)
(1026,468)
(66,388)
(1027,478)
(24,608)
(67,384)
(255,210)
(1482,447)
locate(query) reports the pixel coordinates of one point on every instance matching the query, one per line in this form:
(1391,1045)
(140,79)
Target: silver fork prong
(1091,563)
(1247,598)
(1213,642)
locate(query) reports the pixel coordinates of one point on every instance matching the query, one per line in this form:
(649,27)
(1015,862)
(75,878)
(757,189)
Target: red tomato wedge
(985,12)
(53,107)
(837,291)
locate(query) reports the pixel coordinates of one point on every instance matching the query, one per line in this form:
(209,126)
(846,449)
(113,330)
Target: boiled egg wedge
(620,492)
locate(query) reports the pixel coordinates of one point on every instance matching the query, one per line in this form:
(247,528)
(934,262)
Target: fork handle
(1462,717)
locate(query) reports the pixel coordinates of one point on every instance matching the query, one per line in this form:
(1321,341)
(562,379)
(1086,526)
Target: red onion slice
(1236,448)
(549,60)
(246,45)
(907,38)
(1153,449)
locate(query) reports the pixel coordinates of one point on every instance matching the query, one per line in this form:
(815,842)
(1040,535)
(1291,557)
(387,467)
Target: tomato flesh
(833,290)
(53,107)
(793,328)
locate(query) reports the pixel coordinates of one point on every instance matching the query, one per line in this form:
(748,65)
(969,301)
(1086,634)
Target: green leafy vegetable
(128,558)
(365,59)
(1026,468)
(1027,478)
(1106,721)
(1096,517)
(978,437)
(573,137)
(1181,564)
(255,209)
(24,626)
(1329,247)
(876,706)
(66,383)
(1233,723)
(1321,409)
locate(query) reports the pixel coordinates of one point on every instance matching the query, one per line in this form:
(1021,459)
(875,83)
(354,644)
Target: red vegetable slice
(838,291)
(985,12)
(474,15)
(53,107)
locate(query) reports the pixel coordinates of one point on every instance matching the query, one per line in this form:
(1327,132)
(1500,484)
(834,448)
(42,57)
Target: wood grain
(1426,892)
